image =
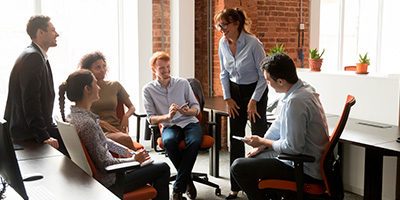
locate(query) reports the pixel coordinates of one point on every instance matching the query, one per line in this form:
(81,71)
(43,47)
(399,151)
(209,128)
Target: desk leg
(217,146)
(398,179)
(373,175)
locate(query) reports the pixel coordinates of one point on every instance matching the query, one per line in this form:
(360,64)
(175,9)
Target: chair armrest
(116,168)
(297,158)
(151,126)
(139,115)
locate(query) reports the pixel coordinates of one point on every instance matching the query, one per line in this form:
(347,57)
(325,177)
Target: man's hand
(257,141)
(172,110)
(52,142)
(232,108)
(252,110)
(255,151)
(183,109)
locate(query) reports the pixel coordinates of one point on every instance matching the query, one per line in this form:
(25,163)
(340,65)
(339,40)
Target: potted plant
(276,50)
(315,60)
(362,66)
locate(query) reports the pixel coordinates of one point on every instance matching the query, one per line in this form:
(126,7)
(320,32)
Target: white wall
(377,99)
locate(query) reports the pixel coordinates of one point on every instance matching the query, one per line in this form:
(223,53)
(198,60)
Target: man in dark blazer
(31,90)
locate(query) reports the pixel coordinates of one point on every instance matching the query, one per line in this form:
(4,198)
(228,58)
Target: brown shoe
(191,191)
(177,196)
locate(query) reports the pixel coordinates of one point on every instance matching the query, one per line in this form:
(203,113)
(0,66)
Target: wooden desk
(216,108)
(378,142)
(63,179)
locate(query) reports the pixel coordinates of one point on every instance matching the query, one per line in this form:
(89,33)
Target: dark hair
(74,87)
(37,22)
(88,59)
(233,15)
(280,65)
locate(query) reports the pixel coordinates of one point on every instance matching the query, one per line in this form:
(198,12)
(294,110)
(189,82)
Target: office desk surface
(378,142)
(217,104)
(35,150)
(63,179)
(368,136)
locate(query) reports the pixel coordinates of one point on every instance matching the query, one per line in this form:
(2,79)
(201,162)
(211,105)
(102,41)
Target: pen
(133,153)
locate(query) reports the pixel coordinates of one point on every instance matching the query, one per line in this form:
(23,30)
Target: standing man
(300,128)
(31,91)
(170,101)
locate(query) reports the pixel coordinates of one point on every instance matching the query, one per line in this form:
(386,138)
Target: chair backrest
(74,146)
(120,110)
(330,166)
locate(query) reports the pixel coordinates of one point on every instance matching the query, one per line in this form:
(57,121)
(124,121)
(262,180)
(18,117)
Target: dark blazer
(30,97)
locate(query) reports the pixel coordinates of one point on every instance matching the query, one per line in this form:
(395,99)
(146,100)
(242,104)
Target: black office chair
(332,187)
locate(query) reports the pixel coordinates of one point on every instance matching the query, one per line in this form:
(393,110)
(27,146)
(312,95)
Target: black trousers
(241,94)
(247,172)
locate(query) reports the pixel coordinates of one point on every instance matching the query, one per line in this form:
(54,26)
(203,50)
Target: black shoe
(191,191)
(177,196)
(231,196)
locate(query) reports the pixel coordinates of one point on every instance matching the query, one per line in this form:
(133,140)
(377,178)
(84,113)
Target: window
(350,28)
(84,26)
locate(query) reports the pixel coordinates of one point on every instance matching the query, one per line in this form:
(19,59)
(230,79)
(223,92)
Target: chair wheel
(218,191)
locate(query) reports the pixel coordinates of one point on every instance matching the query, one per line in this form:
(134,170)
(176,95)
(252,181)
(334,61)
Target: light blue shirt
(244,68)
(157,99)
(301,127)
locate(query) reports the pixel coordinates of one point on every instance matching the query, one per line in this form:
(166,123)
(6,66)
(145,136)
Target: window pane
(329,26)
(13,38)
(368,31)
(390,37)
(350,38)
(84,27)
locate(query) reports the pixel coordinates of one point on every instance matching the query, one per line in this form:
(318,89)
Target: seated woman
(81,87)
(111,92)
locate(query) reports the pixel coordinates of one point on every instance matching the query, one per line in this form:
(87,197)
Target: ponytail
(61,92)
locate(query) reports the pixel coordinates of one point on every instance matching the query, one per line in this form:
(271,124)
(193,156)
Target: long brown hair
(233,15)
(74,87)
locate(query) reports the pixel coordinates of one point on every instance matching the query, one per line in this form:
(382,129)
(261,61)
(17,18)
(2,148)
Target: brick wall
(273,22)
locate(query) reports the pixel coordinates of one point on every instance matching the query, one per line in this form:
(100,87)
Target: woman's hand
(141,156)
(124,127)
(108,126)
(252,110)
(232,108)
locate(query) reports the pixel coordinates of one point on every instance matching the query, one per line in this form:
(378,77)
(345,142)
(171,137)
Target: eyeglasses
(222,26)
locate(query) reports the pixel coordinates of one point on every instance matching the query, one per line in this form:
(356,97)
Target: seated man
(300,128)
(170,101)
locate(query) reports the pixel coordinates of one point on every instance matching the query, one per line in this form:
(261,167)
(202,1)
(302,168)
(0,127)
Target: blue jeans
(183,160)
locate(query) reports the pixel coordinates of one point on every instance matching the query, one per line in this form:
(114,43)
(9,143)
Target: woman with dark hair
(81,87)
(111,92)
(243,83)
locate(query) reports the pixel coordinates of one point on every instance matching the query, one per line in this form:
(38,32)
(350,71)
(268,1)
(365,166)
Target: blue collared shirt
(301,127)
(157,99)
(244,68)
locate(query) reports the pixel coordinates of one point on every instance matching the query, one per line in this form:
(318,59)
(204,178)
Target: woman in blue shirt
(243,83)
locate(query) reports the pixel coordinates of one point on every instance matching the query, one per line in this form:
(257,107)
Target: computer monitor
(9,168)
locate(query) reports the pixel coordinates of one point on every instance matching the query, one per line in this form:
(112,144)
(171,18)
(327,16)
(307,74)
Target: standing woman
(81,87)
(111,92)
(243,83)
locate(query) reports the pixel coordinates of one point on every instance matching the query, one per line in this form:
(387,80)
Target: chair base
(202,178)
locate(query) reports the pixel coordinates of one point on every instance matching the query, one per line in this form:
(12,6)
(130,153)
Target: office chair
(207,143)
(80,157)
(332,187)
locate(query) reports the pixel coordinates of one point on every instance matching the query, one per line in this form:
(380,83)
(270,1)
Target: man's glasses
(222,26)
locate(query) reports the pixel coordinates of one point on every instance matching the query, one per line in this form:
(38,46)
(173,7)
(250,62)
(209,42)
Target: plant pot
(315,64)
(361,68)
